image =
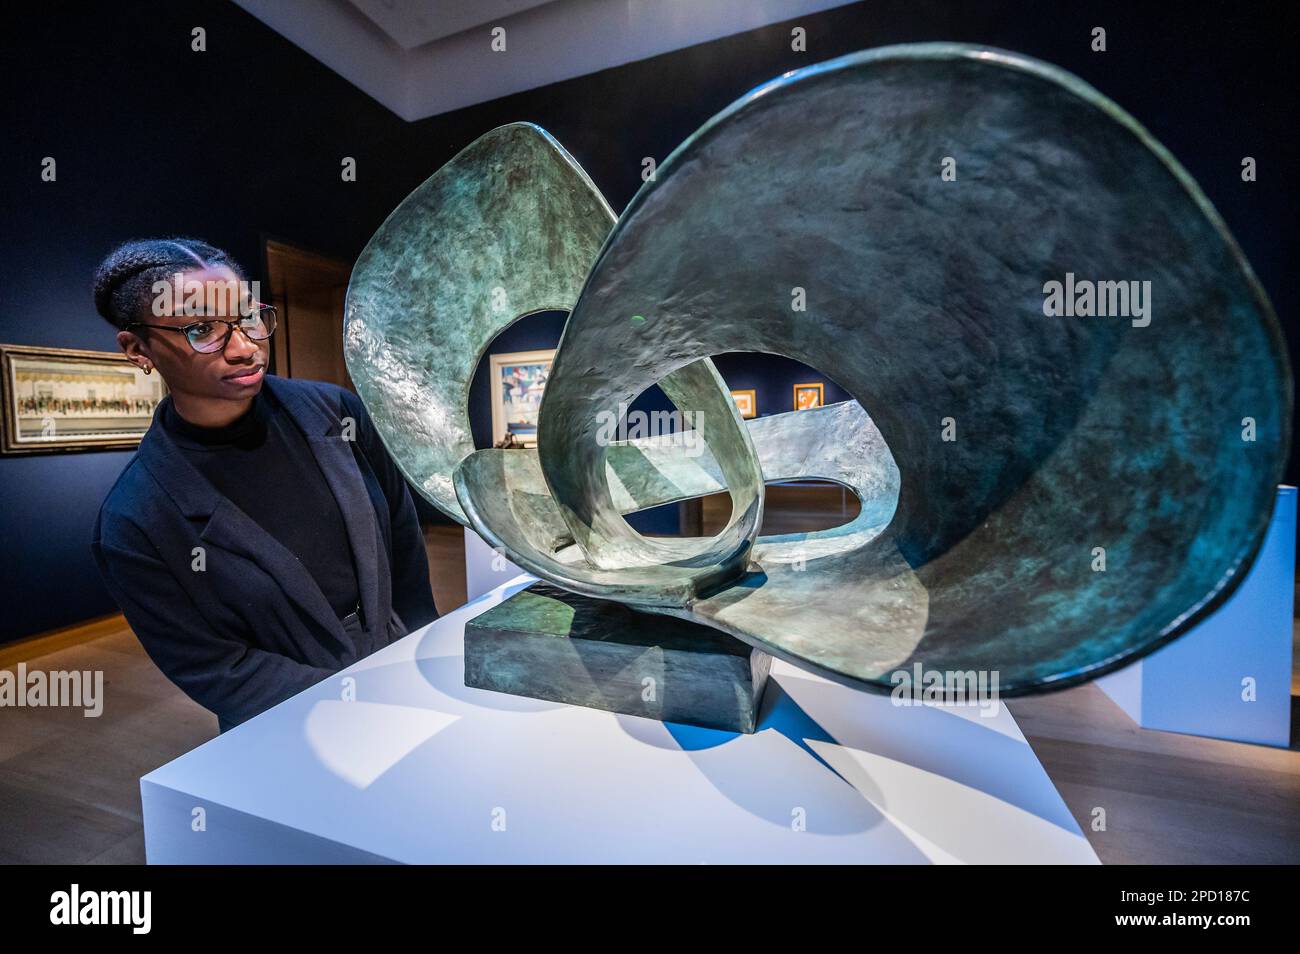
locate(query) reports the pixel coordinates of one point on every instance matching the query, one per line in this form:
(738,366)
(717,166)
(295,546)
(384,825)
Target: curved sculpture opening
(662,458)
(504,392)
(798,505)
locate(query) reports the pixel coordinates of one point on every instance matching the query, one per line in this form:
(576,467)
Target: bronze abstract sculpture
(937,203)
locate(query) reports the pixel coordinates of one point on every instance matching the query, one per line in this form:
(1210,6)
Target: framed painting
(518,381)
(58,400)
(746,402)
(807,396)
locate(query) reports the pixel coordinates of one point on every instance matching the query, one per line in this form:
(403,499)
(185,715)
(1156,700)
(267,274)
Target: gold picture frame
(809,396)
(746,402)
(64,400)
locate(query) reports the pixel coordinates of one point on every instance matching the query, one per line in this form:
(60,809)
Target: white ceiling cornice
(424,58)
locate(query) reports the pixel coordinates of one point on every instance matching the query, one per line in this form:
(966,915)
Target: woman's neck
(207,412)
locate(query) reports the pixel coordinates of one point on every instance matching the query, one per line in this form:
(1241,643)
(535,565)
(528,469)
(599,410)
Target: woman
(261,538)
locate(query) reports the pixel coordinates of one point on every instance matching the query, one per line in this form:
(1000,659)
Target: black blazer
(252,628)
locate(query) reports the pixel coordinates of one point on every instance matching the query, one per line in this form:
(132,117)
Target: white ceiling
(424,57)
(410,23)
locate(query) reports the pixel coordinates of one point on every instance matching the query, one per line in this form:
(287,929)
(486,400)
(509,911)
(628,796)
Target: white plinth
(1230,677)
(421,769)
(485,568)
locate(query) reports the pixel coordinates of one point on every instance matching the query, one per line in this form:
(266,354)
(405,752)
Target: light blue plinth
(1230,677)
(486,568)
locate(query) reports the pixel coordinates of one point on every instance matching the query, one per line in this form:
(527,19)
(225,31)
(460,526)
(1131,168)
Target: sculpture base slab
(547,643)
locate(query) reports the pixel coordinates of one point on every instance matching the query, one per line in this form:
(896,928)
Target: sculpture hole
(505,391)
(805,505)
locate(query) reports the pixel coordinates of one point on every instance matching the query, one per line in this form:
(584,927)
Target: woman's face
(234,373)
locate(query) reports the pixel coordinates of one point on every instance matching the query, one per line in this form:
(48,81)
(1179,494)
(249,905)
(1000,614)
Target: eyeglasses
(210,335)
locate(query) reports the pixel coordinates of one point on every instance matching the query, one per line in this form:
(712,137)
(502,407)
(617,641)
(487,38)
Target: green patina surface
(548,643)
(543,610)
(925,302)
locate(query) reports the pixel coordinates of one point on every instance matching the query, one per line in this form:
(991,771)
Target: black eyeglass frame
(228,322)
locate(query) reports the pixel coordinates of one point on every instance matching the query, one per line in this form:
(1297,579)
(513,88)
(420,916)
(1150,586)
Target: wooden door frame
(290,250)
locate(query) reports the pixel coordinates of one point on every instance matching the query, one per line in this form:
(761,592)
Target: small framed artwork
(61,399)
(518,381)
(807,396)
(746,402)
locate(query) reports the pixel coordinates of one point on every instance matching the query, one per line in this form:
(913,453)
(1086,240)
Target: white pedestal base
(421,769)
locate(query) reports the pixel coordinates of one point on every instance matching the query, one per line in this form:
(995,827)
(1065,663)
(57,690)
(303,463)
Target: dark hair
(124,280)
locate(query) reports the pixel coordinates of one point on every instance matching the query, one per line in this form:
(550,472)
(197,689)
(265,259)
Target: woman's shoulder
(134,504)
(331,398)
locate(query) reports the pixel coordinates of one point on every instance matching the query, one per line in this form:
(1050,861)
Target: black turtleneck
(264,465)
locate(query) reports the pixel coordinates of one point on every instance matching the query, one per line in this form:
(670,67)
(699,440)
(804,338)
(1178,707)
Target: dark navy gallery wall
(772,378)
(245,141)
(151,138)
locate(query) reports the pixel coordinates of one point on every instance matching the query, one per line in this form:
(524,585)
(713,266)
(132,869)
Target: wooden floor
(69,786)
(1168,798)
